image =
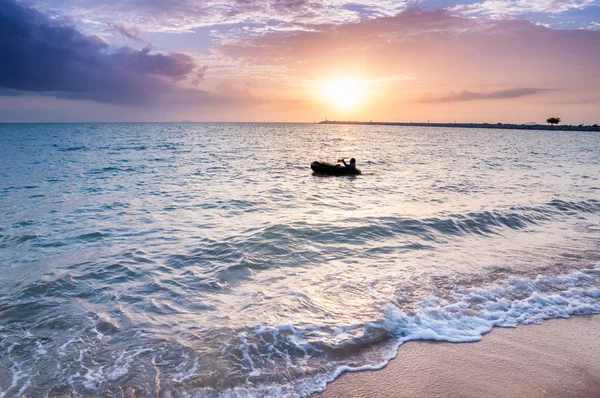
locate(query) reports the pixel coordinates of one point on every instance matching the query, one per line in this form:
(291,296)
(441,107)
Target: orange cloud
(477,59)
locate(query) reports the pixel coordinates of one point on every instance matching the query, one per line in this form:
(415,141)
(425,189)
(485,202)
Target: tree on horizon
(553,120)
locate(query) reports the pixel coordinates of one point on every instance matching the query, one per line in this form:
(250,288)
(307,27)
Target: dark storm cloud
(466,95)
(49,56)
(176,66)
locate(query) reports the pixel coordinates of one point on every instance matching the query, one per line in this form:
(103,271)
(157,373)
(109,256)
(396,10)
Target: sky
(507,61)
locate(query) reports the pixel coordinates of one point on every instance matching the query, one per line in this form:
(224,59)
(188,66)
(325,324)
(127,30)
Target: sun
(344,93)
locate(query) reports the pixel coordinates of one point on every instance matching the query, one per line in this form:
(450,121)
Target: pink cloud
(438,49)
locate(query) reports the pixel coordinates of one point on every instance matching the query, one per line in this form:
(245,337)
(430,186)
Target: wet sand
(559,358)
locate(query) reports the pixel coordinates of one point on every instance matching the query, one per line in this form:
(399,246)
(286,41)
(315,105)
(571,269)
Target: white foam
(71,381)
(156,377)
(468,314)
(183,376)
(25,385)
(139,334)
(61,350)
(16,371)
(39,348)
(255,373)
(463,316)
(99,335)
(92,377)
(117,373)
(122,364)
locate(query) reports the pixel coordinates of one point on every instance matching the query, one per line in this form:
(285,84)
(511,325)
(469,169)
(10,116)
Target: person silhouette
(351,165)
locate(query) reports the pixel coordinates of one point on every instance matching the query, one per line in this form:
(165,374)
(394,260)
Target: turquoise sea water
(207,259)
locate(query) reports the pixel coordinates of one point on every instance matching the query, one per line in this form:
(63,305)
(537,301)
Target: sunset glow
(482,61)
(344,93)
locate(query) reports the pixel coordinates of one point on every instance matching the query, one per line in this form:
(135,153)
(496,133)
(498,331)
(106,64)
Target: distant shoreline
(473,125)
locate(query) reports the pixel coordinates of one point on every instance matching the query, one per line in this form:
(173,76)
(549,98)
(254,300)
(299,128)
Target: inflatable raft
(328,168)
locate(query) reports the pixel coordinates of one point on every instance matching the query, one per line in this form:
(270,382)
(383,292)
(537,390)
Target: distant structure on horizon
(503,126)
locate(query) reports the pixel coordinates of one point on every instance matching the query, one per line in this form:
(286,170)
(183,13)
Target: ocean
(198,259)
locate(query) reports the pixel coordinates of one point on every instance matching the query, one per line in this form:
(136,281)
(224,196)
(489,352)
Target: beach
(558,358)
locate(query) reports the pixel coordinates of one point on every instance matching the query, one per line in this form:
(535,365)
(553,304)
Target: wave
(465,316)
(265,247)
(98,355)
(293,359)
(472,223)
(299,243)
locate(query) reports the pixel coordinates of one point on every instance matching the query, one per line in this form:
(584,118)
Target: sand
(559,358)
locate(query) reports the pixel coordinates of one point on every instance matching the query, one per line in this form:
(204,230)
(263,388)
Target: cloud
(510,8)
(50,56)
(185,15)
(432,46)
(477,60)
(200,75)
(254,66)
(176,66)
(466,95)
(123,31)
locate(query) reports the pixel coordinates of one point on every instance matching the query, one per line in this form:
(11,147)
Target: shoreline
(499,126)
(558,358)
